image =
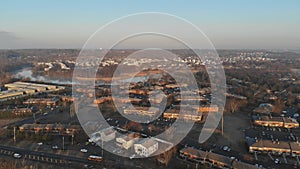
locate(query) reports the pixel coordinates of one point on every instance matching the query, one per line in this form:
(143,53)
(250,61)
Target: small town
(149,84)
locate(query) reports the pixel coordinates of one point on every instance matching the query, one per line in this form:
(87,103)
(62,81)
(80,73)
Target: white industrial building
(105,135)
(146,147)
(126,141)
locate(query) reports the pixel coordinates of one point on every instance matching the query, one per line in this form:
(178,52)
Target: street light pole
(102,147)
(73,139)
(63,139)
(34,118)
(102,152)
(222,125)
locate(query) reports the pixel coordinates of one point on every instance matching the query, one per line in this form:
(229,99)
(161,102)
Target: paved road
(42,156)
(30,120)
(61,160)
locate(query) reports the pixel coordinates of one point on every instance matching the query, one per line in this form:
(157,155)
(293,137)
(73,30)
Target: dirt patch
(234,126)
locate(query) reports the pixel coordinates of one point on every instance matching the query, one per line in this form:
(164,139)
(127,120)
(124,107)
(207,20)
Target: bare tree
(165,158)
(278,106)
(233,105)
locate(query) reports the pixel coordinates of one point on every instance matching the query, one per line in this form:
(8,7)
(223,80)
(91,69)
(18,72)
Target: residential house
(285,122)
(274,147)
(143,111)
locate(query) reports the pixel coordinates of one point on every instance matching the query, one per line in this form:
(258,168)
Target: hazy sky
(229,24)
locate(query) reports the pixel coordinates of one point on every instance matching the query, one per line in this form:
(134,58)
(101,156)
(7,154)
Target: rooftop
(147,142)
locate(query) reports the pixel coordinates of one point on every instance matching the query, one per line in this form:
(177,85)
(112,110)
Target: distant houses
(18,111)
(68,99)
(142,111)
(207,109)
(236,96)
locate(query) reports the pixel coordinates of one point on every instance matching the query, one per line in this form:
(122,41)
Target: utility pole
(102,146)
(34,118)
(102,152)
(63,139)
(72,138)
(15,134)
(222,125)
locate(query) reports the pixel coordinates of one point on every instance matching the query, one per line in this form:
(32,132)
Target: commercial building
(10,94)
(105,135)
(32,85)
(21,89)
(146,147)
(127,141)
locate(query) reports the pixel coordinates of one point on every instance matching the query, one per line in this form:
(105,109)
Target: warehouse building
(21,89)
(10,94)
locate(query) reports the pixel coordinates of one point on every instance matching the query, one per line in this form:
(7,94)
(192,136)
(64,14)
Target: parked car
(226,148)
(83,150)
(17,155)
(55,147)
(132,157)
(277,161)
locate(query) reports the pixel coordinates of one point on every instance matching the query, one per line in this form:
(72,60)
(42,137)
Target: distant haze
(229,24)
